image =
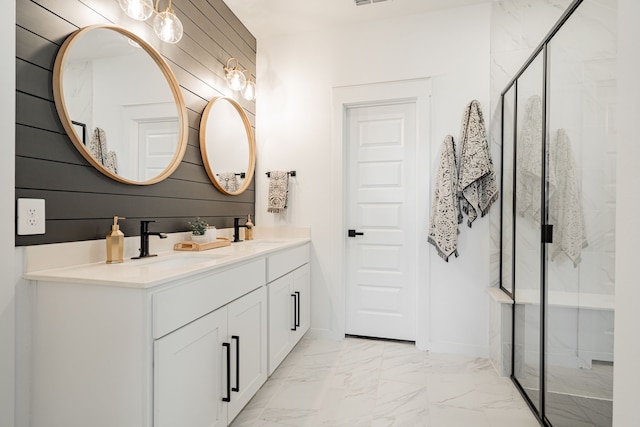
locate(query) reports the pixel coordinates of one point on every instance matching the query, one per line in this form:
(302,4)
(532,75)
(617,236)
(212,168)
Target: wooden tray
(195,246)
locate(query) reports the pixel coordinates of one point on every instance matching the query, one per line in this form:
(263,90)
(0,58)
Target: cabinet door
(189,374)
(248,333)
(302,290)
(281,319)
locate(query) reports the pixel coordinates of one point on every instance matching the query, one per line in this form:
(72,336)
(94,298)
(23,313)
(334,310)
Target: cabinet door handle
(228,347)
(237,387)
(295,312)
(298,309)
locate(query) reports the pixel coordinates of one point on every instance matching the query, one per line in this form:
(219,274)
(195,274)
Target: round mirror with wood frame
(227,145)
(120,104)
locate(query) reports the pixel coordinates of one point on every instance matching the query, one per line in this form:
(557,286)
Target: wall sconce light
(166,24)
(237,80)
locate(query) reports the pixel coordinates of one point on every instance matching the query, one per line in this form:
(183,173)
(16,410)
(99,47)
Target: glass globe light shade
(236,79)
(167,26)
(140,10)
(249,91)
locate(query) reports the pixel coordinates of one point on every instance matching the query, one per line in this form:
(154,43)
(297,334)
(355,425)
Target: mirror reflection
(227,145)
(120,104)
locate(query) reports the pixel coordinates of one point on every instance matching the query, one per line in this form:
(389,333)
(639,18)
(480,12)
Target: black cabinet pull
(237,387)
(298,310)
(295,312)
(354,233)
(228,347)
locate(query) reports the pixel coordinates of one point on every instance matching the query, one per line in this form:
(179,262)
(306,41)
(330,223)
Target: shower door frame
(545,227)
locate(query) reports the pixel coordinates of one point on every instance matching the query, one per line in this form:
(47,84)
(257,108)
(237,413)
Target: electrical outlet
(31,216)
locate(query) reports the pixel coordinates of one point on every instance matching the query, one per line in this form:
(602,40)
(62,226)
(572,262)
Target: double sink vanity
(181,339)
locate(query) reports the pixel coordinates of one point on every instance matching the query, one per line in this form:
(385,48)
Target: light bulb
(139,10)
(167,26)
(249,91)
(236,79)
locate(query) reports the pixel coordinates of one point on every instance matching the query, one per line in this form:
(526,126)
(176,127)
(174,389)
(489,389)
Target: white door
(158,140)
(380,203)
(248,334)
(281,319)
(188,374)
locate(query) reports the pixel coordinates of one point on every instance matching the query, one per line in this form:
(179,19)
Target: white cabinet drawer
(179,305)
(286,261)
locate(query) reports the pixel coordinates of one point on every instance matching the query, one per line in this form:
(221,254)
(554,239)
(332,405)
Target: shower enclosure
(558,217)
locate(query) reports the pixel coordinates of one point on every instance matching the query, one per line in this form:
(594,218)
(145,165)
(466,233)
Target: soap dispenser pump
(115,243)
(248,231)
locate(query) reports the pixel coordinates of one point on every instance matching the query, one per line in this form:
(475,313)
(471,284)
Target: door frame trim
(343,97)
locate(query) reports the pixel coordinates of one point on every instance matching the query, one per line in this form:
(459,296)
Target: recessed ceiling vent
(363,2)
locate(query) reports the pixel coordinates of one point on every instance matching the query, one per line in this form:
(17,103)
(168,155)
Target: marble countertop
(168,266)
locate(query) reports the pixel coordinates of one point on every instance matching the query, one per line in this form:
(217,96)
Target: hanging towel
(529,162)
(98,149)
(477,185)
(278,188)
(445,210)
(229,181)
(565,202)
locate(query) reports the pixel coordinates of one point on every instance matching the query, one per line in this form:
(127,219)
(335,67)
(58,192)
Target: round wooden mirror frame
(207,156)
(65,118)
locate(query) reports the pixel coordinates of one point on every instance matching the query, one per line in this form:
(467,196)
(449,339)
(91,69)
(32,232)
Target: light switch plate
(31,216)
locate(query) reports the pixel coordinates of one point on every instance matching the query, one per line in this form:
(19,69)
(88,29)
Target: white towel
(565,204)
(278,188)
(445,210)
(477,184)
(229,181)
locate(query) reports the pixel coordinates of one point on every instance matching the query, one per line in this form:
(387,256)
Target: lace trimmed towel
(229,181)
(278,188)
(98,149)
(445,209)
(477,184)
(565,204)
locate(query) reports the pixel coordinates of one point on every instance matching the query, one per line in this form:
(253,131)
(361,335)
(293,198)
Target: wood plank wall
(80,201)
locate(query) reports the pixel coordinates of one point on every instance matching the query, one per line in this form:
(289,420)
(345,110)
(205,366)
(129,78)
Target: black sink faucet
(236,229)
(144,239)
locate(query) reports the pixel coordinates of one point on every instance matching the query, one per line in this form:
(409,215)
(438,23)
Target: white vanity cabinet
(185,350)
(207,371)
(289,302)
(108,356)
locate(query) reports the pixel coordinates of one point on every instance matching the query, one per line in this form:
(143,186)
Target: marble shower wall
(582,101)
(517,28)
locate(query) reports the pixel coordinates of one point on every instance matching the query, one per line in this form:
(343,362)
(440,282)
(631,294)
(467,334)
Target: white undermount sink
(176,261)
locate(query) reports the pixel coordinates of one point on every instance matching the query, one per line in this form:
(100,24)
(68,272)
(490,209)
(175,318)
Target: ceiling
(266,18)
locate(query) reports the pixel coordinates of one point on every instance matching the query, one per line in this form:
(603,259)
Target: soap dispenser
(248,231)
(115,243)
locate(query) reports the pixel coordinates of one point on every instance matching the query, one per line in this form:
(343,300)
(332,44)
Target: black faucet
(144,239)
(236,229)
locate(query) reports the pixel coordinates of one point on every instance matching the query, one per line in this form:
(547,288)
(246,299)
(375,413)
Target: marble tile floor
(371,383)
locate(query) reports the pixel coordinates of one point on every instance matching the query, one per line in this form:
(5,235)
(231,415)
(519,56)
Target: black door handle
(237,387)
(227,346)
(295,312)
(354,233)
(298,311)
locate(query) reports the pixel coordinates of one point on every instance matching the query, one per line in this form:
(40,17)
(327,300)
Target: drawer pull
(228,348)
(237,387)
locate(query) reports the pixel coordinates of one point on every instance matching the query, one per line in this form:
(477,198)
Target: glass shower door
(527,229)
(581,149)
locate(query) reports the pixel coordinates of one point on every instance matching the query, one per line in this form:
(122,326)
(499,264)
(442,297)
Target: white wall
(296,75)
(627,346)
(7,172)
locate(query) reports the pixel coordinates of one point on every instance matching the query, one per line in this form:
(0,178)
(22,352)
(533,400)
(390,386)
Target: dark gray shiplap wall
(81,201)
